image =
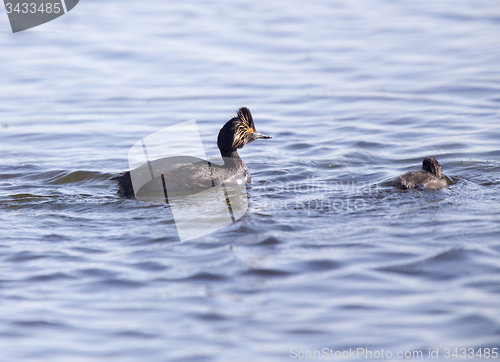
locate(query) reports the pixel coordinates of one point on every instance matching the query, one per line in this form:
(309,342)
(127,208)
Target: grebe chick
(430,177)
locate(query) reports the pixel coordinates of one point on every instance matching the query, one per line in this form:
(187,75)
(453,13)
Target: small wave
(73,177)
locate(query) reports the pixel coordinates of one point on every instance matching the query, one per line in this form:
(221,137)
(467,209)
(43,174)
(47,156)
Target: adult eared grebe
(430,177)
(200,174)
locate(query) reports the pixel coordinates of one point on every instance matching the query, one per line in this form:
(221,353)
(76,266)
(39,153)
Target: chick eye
(251,130)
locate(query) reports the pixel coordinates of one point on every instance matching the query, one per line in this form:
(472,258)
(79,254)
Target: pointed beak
(260,135)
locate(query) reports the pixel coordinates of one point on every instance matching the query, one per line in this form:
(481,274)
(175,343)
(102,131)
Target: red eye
(251,130)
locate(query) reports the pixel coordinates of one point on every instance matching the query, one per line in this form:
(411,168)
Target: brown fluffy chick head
(431,165)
